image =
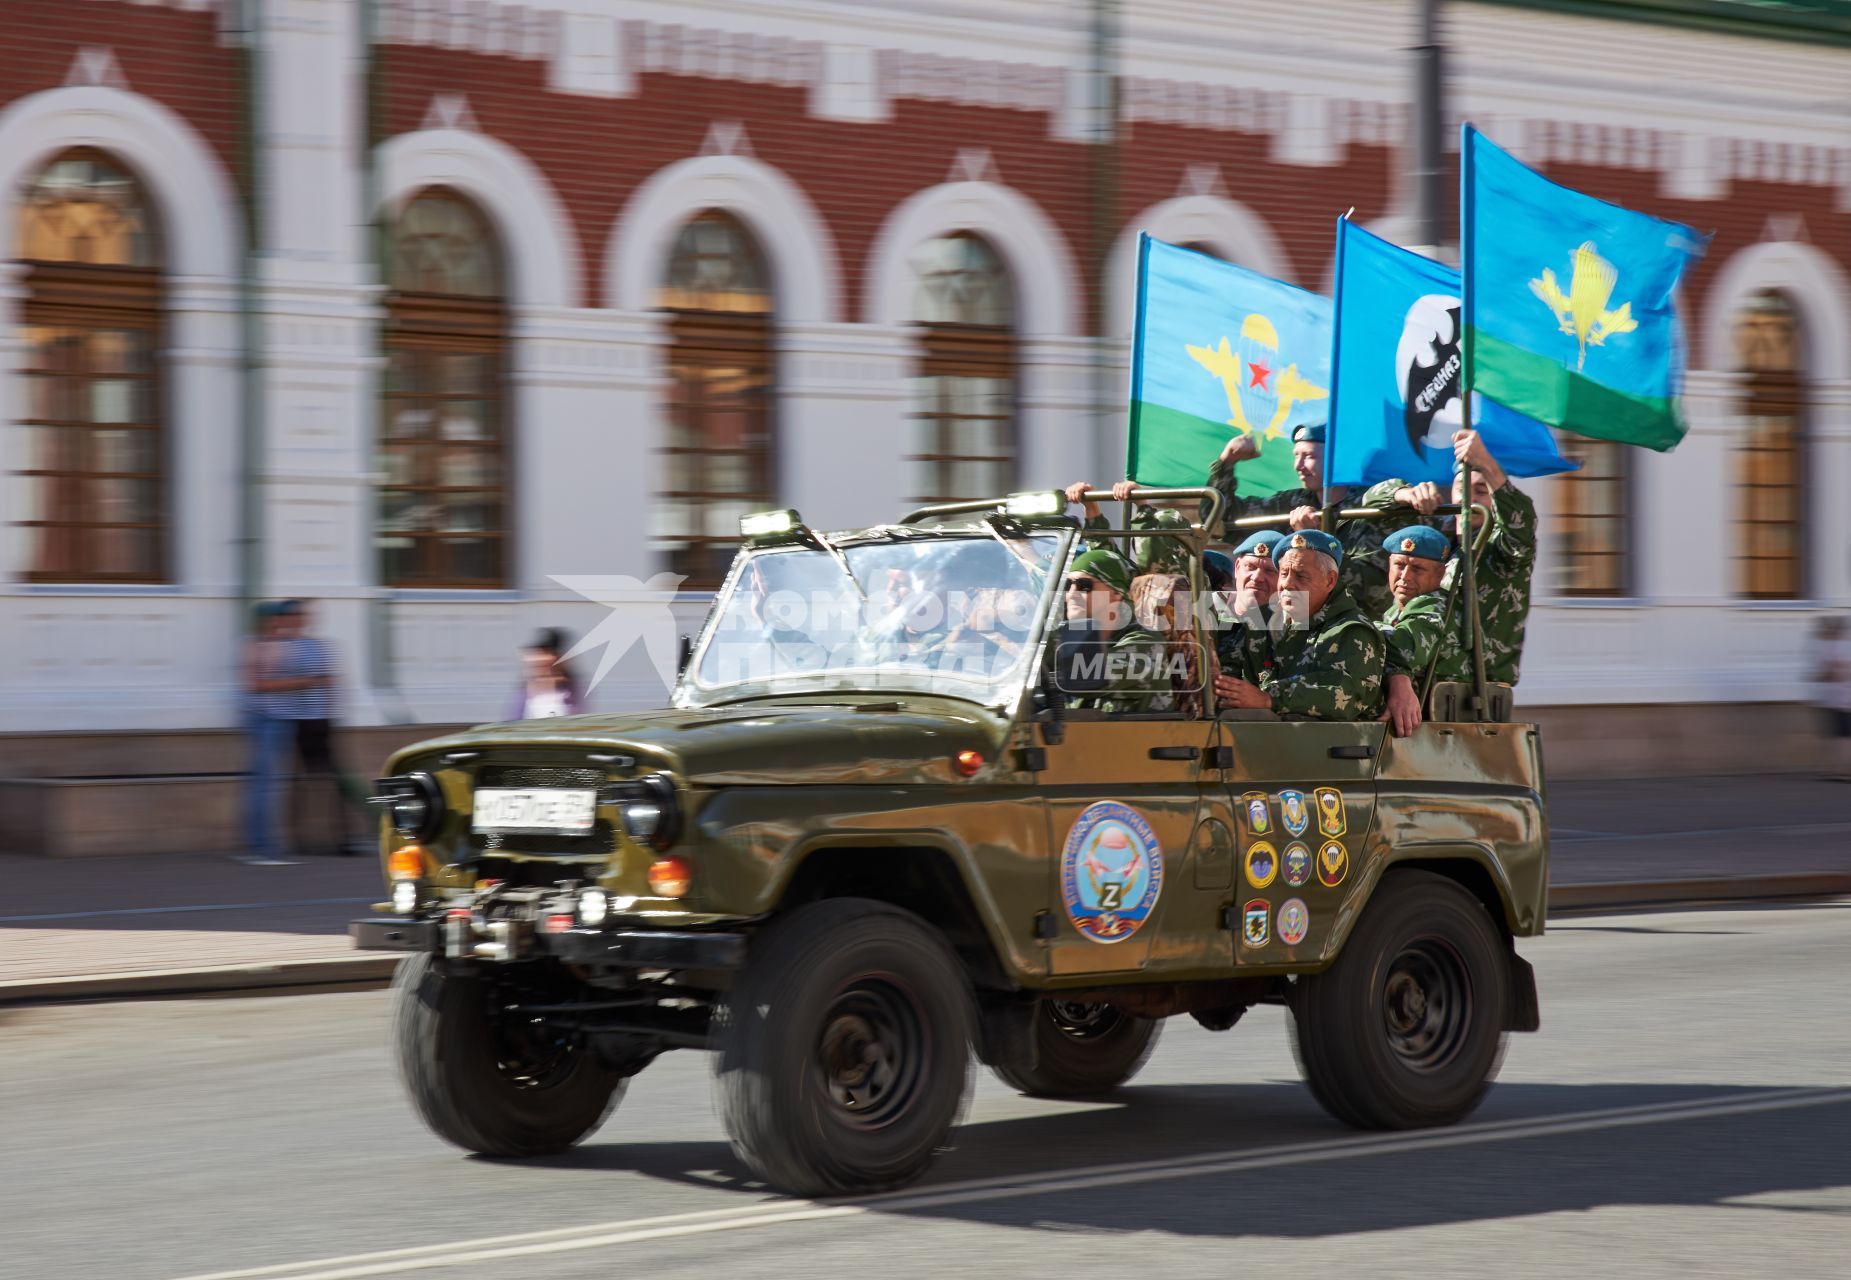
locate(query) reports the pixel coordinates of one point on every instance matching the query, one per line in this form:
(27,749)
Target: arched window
(1593,518)
(717,455)
(95,499)
(1769,460)
(443,446)
(963,403)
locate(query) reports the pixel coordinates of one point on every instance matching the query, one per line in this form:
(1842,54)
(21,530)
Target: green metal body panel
(767,784)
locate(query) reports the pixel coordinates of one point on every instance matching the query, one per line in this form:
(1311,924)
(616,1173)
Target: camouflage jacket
(1365,570)
(1412,632)
(1147,555)
(1117,676)
(1503,572)
(1330,670)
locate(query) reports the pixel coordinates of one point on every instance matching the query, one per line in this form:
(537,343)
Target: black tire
(845,1049)
(1406,1029)
(499,1091)
(1080,1050)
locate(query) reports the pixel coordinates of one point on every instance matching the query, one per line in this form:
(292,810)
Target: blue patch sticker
(1295,865)
(1111,872)
(1293,812)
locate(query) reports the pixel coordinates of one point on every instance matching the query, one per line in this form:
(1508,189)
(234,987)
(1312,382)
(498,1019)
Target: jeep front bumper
(506,939)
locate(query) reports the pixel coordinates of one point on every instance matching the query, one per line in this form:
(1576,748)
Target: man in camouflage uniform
(1365,576)
(1148,555)
(1255,580)
(1415,626)
(1326,662)
(1503,568)
(1104,660)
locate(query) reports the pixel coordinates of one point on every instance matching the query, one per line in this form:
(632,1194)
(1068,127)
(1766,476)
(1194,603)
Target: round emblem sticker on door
(1111,872)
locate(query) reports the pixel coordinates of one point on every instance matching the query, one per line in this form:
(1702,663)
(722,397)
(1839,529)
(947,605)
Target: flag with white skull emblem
(1395,374)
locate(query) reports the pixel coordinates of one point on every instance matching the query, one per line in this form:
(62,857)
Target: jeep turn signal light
(969,763)
(406,863)
(670,877)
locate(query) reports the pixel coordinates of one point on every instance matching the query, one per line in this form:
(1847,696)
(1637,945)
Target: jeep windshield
(951,614)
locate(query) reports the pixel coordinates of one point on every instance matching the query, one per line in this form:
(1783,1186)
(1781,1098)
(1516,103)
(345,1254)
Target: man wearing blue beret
(1254,579)
(1326,661)
(1503,568)
(1365,577)
(1416,626)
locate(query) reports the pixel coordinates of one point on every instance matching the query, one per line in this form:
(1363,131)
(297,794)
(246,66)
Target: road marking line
(779,1212)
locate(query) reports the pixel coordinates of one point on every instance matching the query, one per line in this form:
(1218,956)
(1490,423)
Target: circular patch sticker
(1333,864)
(1111,872)
(1294,922)
(1295,865)
(1262,864)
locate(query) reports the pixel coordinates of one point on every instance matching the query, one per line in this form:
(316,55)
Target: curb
(1649,895)
(292,977)
(372,972)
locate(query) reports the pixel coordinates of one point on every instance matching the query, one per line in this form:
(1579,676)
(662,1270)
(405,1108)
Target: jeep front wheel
(844,1051)
(489,1081)
(1406,1029)
(1077,1050)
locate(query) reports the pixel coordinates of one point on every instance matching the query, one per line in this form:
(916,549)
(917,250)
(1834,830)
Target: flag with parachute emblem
(1396,374)
(1219,350)
(1569,303)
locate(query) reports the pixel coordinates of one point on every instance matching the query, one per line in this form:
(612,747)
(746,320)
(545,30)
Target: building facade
(417,307)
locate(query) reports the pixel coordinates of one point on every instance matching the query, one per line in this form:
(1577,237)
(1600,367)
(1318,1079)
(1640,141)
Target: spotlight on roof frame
(770,524)
(1044,503)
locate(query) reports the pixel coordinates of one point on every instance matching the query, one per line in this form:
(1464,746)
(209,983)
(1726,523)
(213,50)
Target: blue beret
(1418,540)
(1217,565)
(1312,540)
(1264,544)
(1310,432)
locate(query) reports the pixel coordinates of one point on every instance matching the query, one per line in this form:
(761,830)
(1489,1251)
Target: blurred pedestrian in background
(547,688)
(268,736)
(310,708)
(1829,660)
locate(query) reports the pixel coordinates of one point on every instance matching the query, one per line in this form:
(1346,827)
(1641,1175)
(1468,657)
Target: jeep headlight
(648,809)
(414,803)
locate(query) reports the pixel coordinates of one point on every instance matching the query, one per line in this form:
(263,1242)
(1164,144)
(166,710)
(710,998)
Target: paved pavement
(1683,1113)
(1614,842)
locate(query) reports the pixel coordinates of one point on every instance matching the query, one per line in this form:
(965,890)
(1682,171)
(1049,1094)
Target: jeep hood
(887,741)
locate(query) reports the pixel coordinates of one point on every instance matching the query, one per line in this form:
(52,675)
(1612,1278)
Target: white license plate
(555,810)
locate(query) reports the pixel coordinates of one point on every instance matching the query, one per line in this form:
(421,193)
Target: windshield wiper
(836,553)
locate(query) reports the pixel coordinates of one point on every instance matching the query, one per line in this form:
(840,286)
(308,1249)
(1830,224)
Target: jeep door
(1124,795)
(1301,795)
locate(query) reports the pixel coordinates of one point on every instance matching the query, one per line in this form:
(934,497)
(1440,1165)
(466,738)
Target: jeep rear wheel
(1078,1050)
(844,1051)
(1406,1029)
(488,1081)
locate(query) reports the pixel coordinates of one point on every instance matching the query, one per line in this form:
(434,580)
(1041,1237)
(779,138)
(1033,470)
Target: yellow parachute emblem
(1582,311)
(1250,369)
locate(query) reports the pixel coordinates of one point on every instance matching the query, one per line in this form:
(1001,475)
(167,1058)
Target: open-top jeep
(871,833)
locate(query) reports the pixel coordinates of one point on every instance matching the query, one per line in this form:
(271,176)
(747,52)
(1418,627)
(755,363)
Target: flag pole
(1468,551)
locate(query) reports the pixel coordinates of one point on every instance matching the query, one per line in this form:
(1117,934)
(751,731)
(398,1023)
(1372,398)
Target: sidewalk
(91,926)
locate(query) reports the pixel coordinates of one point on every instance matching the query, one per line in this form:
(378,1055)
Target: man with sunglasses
(1105,661)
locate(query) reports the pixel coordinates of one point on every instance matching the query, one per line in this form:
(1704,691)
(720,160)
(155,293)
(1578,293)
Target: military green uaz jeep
(875,829)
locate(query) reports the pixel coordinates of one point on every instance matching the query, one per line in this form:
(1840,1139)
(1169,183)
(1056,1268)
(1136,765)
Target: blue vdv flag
(1570,302)
(1220,350)
(1396,369)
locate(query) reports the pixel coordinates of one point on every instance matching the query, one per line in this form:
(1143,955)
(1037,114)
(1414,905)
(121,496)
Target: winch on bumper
(500,926)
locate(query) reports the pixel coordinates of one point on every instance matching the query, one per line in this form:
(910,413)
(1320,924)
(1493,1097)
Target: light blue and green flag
(1220,350)
(1570,314)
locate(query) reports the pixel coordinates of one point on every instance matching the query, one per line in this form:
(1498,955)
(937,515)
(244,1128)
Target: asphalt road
(1685,1111)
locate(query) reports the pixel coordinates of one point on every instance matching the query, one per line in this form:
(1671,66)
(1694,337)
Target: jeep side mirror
(1052,699)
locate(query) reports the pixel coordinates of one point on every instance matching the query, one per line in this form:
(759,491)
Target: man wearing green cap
(1104,660)
(1364,576)
(1416,627)
(1326,662)
(1504,567)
